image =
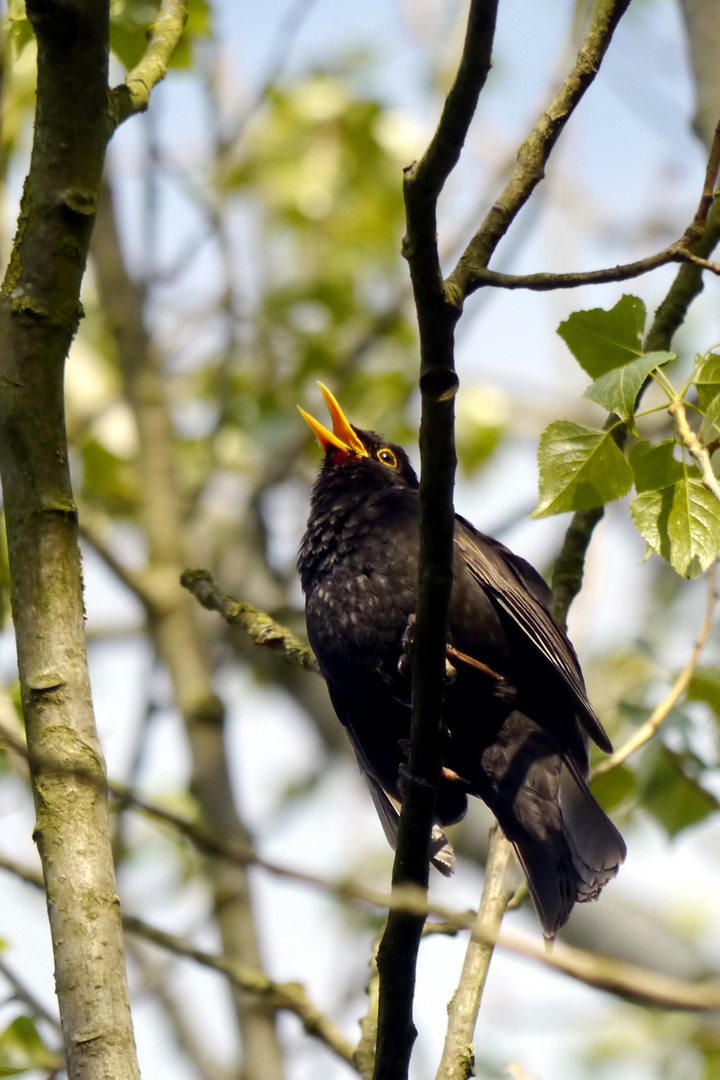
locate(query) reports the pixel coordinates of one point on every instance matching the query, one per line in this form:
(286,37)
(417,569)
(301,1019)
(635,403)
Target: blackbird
(517,717)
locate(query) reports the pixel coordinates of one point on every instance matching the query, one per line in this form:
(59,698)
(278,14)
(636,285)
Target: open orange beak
(342,436)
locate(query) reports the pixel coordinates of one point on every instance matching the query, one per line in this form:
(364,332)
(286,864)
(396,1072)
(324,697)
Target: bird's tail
(568,852)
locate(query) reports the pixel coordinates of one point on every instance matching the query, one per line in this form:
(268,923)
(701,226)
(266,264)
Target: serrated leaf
(580,467)
(709,406)
(617,390)
(705,686)
(681,522)
(671,795)
(602,340)
(654,465)
(707,383)
(709,373)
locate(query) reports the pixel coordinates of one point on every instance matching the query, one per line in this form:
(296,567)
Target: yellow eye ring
(387,457)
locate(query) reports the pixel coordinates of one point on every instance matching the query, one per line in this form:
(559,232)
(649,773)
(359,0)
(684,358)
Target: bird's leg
(405,661)
(408,639)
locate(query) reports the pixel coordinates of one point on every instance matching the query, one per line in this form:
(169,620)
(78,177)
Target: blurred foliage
(131,20)
(23,1050)
(672,1047)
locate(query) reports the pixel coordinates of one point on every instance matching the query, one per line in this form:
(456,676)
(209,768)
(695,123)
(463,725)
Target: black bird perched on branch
(517,718)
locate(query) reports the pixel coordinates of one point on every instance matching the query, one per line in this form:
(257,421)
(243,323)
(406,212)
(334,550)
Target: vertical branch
(437,317)
(39,312)
(178,638)
(458,1058)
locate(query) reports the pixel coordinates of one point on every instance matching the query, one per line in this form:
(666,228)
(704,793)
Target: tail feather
(573,853)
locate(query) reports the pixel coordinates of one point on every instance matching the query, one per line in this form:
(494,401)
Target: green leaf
(707,384)
(22,1049)
(710,408)
(602,340)
(197,26)
(655,466)
(579,468)
(614,787)
(705,686)
(681,522)
(709,373)
(617,390)
(130,23)
(132,20)
(17,27)
(671,795)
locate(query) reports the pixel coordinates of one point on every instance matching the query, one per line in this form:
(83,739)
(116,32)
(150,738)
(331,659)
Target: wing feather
(520,591)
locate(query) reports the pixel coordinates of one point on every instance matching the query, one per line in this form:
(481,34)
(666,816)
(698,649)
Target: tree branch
(175,630)
(157,981)
(570,564)
(708,192)
(133,96)
(259,626)
(604,973)
(39,313)
(659,714)
(397,954)
(545,282)
(535,151)
(458,1057)
(289,996)
(695,447)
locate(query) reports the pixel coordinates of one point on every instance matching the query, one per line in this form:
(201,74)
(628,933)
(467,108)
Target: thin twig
(661,712)
(535,151)
(157,981)
(289,996)
(458,1057)
(679,251)
(133,96)
(605,973)
(365,1050)
(708,193)
(22,993)
(695,447)
(545,282)
(260,626)
(517,1072)
(286,33)
(96,528)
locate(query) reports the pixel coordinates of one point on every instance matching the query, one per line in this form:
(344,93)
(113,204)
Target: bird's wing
(388,806)
(442,855)
(520,591)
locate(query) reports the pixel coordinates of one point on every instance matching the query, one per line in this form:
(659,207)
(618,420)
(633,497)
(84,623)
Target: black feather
(517,713)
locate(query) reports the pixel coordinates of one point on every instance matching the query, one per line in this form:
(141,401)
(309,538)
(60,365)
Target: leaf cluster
(673,509)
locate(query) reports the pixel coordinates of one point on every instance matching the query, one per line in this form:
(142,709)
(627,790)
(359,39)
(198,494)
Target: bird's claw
(407,780)
(405,661)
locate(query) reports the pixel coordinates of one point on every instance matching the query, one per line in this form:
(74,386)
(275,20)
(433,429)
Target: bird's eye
(387,457)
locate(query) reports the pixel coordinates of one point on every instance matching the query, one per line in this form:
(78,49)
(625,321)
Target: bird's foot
(405,661)
(407,780)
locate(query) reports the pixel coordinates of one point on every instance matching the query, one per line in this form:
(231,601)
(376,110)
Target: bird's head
(365,452)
